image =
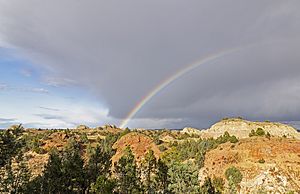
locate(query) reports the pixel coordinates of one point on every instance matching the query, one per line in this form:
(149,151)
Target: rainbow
(187,68)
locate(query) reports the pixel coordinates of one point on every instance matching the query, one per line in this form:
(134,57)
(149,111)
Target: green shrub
(39,150)
(162,148)
(218,184)
(182,136)
(290,192)
(124,132)
(226,137)
(208,186)
(252,133)
(261,161)
(260,132)
(34,144)
(233,174)
(157,141)
(174,144)
(84,138)
(233,139)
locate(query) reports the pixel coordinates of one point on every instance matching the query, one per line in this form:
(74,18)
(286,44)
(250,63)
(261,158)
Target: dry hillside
(272,165)
(138,143)
(241,129)
(268,163)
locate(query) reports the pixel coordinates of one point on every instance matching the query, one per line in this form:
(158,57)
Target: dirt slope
(273,165)
(138,143)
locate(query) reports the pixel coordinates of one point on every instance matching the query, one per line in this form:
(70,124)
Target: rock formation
(241,129)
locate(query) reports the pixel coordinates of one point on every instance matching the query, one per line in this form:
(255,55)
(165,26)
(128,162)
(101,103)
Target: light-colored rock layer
(191,130)
(241,129)
(267,165)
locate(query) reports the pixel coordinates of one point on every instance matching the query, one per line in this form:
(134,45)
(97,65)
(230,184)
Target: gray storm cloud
(121,50)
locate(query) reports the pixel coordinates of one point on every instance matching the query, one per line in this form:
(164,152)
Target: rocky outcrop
(267,165)
(271,180)
(241,129)
(109,126)
(98,128)
(139,144)
(82,127)
(190,130)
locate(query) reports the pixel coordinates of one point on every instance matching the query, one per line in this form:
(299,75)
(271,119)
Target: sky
(65,63)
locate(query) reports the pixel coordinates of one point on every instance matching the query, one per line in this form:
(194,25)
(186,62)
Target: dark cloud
(121,50)
(7,122)
(51,117)
(48,108)
(295,124)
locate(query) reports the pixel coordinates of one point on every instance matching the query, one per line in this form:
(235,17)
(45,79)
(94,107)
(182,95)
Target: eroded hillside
(234,155)
(241,128)
(270,165)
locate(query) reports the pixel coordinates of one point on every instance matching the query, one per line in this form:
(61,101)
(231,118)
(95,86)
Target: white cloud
(6,87)
(3,87)
(73,115)
(34,90)
(26,72)
(59,81)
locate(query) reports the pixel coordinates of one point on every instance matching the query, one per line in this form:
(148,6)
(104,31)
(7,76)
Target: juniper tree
(103,185)
(162,178)
(10,143)
(127,177)
(15,176)
(149,169)
(72,167)
(183,178)
(98,166)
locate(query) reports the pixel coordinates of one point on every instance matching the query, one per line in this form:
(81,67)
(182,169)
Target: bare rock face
(109,126)
(268,181)
(241,128)
(267,165)
(82,127)
(140,129)
(190,130)
(202,175)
